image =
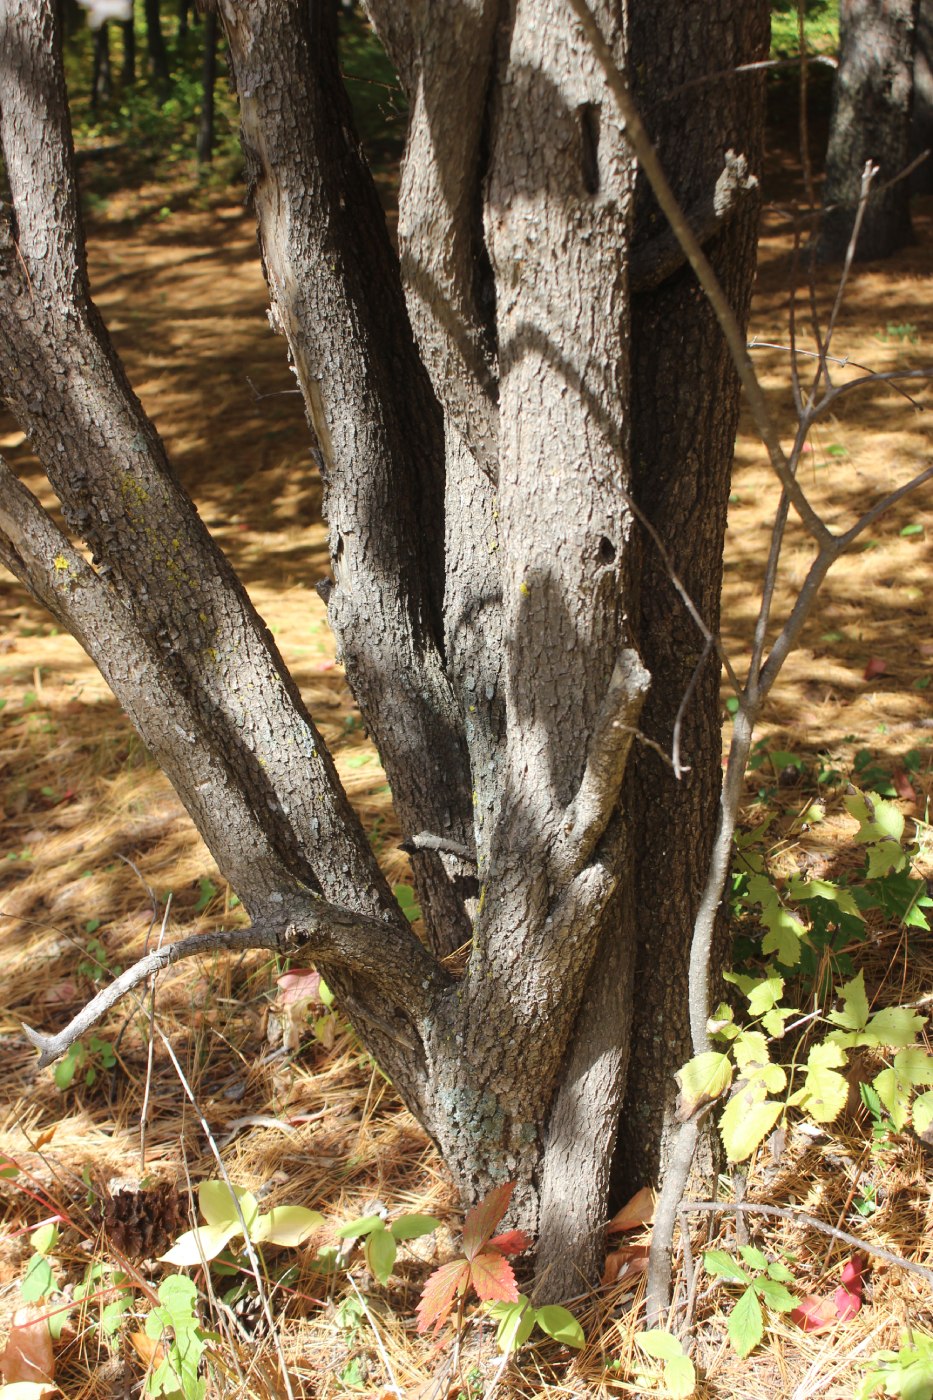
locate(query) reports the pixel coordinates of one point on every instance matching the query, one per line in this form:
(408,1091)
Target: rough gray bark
(486,406)
(870,121)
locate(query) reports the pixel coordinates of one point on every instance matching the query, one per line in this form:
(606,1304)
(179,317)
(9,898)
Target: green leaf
(747,1121)
(45,1238)
(664,1345)
(703,1079)
(824,889)
(218,1206)
(913,529)
(412,1227)
(922,1113)
(780,1271)
(381,1250)
(680,1377)
(746,1324)
(883,858)
(289,1226)
(515,1323)
(753,1257)
(878,820)
(722,1265)
(201,1244)
(38,1280)
(775,1295)
(854,1013)
(785,930)
(894,1026)
(355,1229)
(825,1091)
(560,1324)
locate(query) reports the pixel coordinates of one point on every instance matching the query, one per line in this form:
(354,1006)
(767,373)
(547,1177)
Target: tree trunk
(128,66)
(205,146)
(870,122)
(101,77)
(155,42)
(921,124)
(488,404)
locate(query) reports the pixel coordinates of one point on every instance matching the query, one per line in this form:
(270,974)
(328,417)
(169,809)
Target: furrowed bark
(335,289)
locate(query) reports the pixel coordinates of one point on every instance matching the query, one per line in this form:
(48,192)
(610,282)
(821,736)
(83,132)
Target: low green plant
(678,1375)
(175,1325)
(761,1281)
(517,1320)
(232,1213)
(382,1239)
(88,1061)
(907,1373)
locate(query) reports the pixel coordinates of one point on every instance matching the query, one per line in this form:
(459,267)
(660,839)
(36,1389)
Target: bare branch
(587,815)
(335,937)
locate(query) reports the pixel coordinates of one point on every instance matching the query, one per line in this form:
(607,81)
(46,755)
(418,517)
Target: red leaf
(484,1217)
(638,1211)
(903,786)
(28,1352)
(815,1314)
(512,1242)
(852,1275)
(492,1277)
(875,667)
(437,1296)
(846,1304)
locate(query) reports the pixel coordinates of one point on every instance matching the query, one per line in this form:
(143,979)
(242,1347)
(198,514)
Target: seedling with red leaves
(483,1266)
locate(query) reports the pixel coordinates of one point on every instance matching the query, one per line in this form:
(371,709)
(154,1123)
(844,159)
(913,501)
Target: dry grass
(321,1128)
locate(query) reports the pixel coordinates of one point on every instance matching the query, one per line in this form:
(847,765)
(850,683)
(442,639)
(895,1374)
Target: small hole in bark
(607,551)
(589,146)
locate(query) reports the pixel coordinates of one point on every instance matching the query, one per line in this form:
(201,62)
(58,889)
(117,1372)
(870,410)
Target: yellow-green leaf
(854,1013)
(560,1324)
(744,1124)
(825,1091)
(702,1079)
(679,1377)
(202,1244)
(825,889)
(894,1026)
(922,1114)
(219,1208)
(877,819)
(286,1225)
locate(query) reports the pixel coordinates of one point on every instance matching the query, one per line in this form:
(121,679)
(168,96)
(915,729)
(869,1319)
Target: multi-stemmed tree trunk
(870,122)
(514,415)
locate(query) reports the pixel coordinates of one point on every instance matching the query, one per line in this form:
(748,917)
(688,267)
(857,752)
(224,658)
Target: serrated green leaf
(380,1253)
(825,1092)
(780,1271)
(894,1026)
(751,1051)
(703,1079)
(355,1229)
(922,1112)
(746,1324)
(218,1207)
(286,1225)
(560,1324)
(824,889)
(722,1265)
(746,1123)
(753,1257)
(854,1013)
(680,1377)
(45,1238)
(878,820)
(664,1345)
(775,1295)
(201,1244)
(784,930)
(883,858)
(412,1227)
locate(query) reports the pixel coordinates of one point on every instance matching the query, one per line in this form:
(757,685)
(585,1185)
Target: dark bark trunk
(128,66)
(208,79)
(921,124)
(184,10)
(870,122)
(101,77)
(155,42)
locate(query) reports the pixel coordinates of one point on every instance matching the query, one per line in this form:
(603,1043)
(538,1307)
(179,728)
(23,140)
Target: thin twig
(679,768)
(800,1217)
(150,1048)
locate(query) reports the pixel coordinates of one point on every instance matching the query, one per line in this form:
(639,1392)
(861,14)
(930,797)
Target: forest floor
(93,841)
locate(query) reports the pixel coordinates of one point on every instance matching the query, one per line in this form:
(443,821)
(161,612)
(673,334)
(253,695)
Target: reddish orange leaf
(512,1242)
(301,984)
(638,1211)
(492,1277)
(875,667)
(814,1314)
(823,1314)
(482,1220)
(628,1262)
(903,786)
(27,1355)
(438,1295)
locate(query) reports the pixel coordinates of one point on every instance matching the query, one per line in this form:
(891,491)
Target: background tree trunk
(205,144)
(155,42)
(870,121)
(101,77)
(128,66)
(921,123)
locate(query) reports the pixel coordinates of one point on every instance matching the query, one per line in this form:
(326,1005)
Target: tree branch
(332,936)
